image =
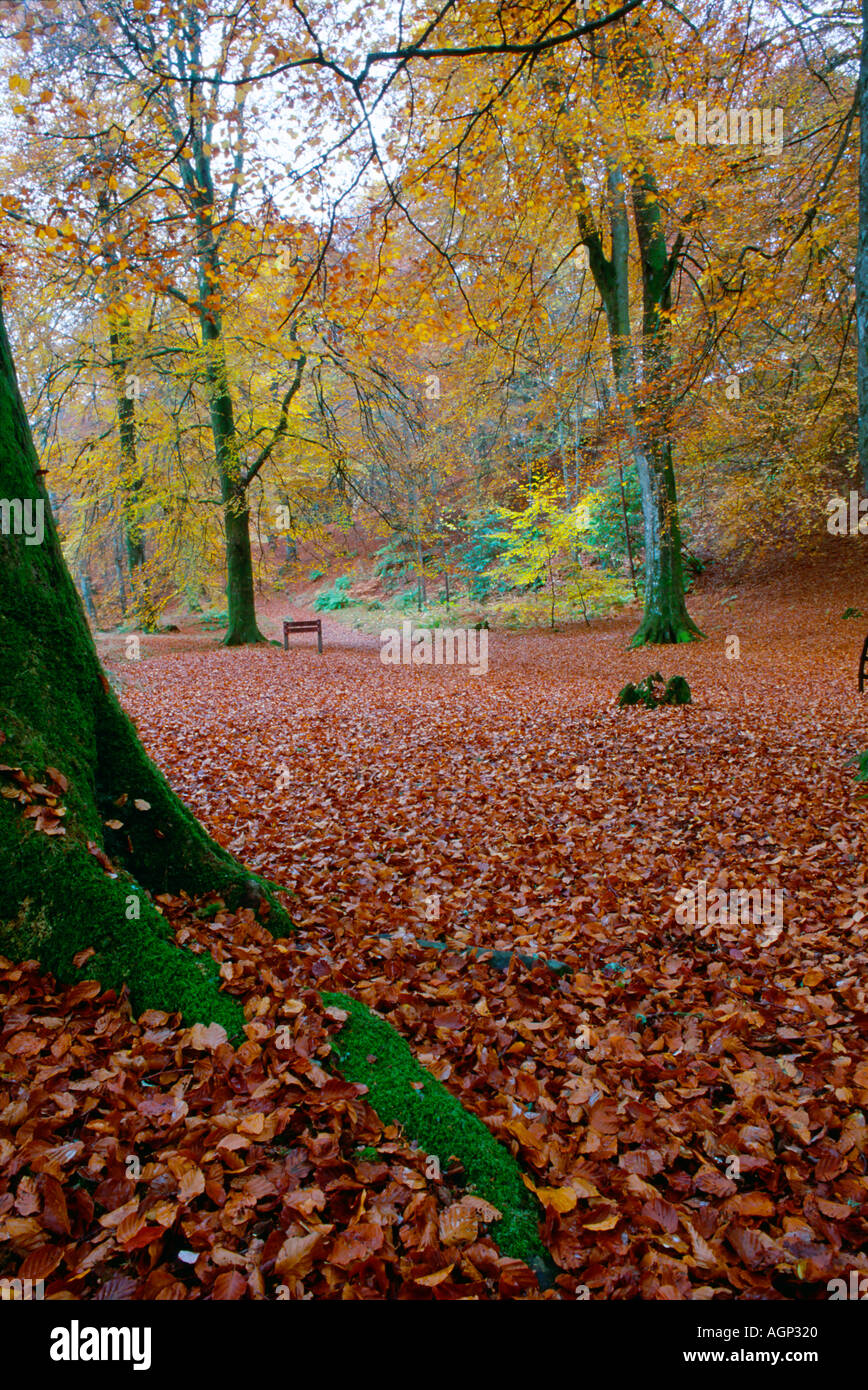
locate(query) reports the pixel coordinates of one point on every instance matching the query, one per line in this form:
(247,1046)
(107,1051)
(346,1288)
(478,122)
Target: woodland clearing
(626,1088)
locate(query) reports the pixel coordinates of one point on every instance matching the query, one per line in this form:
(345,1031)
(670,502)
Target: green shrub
(409,599)
(327,600)
(214,620)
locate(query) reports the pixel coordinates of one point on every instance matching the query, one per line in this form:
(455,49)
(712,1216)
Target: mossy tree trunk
(131,475)
(647,411)
(119,339)
(240,594)
(665,618)
(58,711)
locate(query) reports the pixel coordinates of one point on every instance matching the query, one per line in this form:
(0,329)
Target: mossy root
(438,1122)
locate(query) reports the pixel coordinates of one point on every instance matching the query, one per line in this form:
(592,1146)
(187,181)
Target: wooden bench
(310,625)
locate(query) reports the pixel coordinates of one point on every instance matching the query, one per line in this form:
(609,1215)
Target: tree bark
(665,617)
(240,594)
(131,478)
(58,711)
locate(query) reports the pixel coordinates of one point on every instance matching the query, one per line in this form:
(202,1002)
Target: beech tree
(88,824)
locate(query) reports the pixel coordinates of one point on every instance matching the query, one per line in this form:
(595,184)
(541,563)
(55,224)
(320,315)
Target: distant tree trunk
(125,397)
(665,618)
(87,595)
(862,258)
(563,453)
(131,480)
(60,720)
(196,175)
(627,540)
(241,599)
(119,568)
(551,574)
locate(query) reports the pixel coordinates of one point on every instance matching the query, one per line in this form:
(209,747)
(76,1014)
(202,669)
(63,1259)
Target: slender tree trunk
(86,591)
(131,479)
(862,258)
(119,570)
(241,599)
(423,589)
(563,453)
(627,541)
(240,594)
(62,726)
(551,588)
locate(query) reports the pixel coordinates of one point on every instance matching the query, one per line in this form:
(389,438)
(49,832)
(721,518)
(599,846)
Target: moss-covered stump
(66,876)
(403,1092)
(652,693)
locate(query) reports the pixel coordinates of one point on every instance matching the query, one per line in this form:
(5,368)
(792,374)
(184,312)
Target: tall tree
(73,877)
(646,409)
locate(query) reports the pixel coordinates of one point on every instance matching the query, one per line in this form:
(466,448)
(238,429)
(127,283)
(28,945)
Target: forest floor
(689,1101)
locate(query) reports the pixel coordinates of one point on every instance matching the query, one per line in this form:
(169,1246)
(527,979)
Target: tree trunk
(119,570)
(58,712)
(87,595)
(862,258)
(665,618)
(627,541)
(131,479)
(240,594)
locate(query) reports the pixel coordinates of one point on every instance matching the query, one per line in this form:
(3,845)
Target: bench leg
(319,638)
(862,661)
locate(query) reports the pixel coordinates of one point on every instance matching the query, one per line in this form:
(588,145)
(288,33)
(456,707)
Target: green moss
(439,1123)
(138,952)
(651,693)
